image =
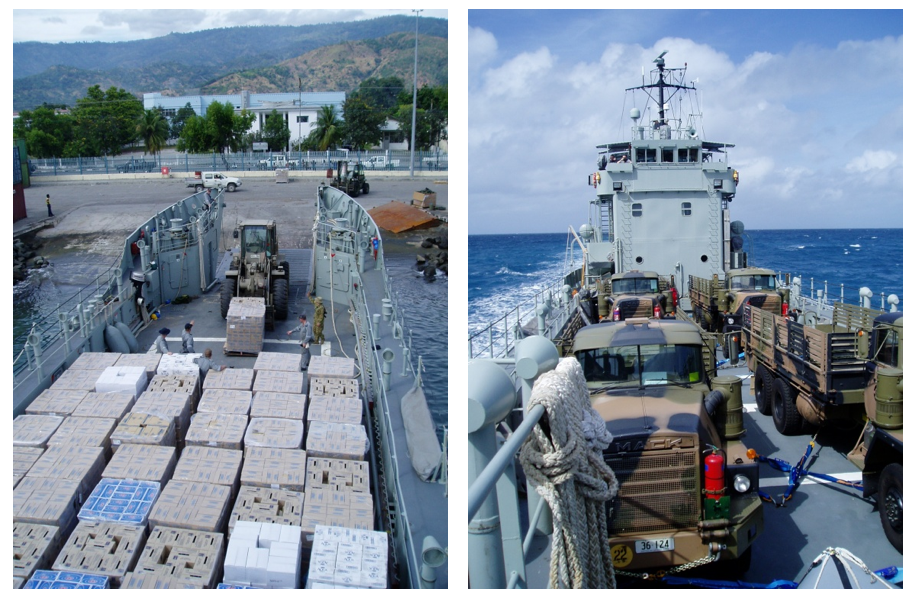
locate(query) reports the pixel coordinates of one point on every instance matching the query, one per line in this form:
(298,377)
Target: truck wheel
(366,188)
(787,419)
(231,187)
(281,291)
(764,390)
(227,292)
(198,188)
(891,503)
(285,266)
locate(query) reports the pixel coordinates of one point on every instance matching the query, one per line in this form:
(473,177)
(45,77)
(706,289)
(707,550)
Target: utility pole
(299,120)
(414,110)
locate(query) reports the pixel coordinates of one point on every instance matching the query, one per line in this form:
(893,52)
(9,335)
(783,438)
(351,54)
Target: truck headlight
(741,483)
(731,320)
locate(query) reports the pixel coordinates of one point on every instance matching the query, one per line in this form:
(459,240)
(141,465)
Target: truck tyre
(231,187)
(198,188)
(227,292)
(764,390)
(891,503)
(787,419)
(285,266)
(281,291)
(366,188)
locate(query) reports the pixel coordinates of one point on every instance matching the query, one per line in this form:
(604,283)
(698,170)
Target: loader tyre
(764,390)
(787,419)
(227,292)
(281,291)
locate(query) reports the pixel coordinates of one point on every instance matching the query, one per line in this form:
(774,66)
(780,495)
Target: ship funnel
(433,556)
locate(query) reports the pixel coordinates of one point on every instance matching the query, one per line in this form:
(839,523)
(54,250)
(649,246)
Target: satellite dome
(635,113)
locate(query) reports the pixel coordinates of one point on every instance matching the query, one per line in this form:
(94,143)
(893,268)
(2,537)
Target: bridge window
(636,210)
(686,208)
(646,154)
(687,155)
(668,155)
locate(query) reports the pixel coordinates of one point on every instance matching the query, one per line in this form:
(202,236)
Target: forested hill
(189,63)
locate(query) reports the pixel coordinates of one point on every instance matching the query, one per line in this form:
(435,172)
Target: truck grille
(658,490)
(631,308)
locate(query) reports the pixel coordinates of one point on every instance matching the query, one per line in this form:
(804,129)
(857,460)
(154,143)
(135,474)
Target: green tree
(381,93)
(276,132)
(153,130)
(106,121)
(362,122)
(432,115)
(327,131)
(219,130)
(179,120)
(46,133)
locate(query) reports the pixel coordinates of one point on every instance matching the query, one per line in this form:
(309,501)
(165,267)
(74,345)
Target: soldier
(305,337)
(187,340)
(206,364)
(162,347)
(318,324)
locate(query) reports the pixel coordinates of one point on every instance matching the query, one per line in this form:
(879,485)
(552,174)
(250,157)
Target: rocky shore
(26,257)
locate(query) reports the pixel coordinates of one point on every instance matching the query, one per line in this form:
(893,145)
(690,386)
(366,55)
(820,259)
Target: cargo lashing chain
(662,573)
(797,472)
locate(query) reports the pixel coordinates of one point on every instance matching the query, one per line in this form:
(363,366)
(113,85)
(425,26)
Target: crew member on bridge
(318,325)
(305,337)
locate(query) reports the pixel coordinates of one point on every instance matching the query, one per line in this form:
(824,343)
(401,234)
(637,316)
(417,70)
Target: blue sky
(813,101)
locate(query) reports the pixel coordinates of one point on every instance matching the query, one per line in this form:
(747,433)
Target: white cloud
(482,48)
(870,161)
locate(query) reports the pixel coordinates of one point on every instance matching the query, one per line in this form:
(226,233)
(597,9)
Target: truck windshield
(753,282)
(647,364)
(635,285)
(887,347)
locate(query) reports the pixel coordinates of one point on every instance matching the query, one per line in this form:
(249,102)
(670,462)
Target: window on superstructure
(686,208)
(686,155)
(668,155)
(887,343)
(636,210)
(646,154)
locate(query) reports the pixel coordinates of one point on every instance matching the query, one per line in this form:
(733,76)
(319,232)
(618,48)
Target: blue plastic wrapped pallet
(120,500)
(53,579)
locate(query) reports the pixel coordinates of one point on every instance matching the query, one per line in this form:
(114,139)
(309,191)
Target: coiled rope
(563,459)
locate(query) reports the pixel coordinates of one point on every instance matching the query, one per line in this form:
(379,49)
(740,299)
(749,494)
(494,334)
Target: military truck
(808,376)
(717,304)
(879,452)
(258,270)
(350,178)
(635,294)
(688,492)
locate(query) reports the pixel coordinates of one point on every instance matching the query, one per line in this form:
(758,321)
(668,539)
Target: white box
(132,380)
(256,566)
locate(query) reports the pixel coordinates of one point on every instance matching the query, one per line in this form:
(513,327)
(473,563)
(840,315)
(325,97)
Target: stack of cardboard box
(245,325)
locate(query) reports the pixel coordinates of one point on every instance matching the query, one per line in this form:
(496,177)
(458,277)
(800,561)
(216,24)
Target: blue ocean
(508,269)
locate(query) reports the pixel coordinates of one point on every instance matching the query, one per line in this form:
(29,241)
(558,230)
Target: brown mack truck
(850,369)
(635,294)
(688,491)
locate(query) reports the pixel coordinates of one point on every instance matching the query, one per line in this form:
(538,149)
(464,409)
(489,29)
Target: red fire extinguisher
(714,476)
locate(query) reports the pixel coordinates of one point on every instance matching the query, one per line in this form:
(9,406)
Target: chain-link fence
(247,161)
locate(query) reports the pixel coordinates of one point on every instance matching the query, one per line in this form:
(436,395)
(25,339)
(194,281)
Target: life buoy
(596,180)
(735,176)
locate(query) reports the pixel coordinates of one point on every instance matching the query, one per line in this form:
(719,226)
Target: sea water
(505,270)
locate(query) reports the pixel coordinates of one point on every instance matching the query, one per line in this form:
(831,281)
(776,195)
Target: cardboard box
(144,428)
(103,548)
(192,506)
(122,501)
(55,579)
(423,200)
(34,431)
(219,400)
(34,547)
(277,405)
(108,405)
(179,558)
(83,464)
(143,463)
(274,468)
(47,501)
(56,402)
(274,433)
(217,430)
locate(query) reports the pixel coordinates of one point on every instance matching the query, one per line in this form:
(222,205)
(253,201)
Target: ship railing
(497,549)
(496,339)
(810,296)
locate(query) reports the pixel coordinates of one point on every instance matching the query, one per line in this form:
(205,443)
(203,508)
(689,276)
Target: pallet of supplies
(245,326)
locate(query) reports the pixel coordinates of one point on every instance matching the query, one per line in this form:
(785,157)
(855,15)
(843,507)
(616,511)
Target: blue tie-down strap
(797,473)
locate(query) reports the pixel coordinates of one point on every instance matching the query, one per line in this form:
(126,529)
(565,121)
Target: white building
(299,110)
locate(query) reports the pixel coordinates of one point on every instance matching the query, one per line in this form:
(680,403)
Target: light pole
(414,109)
(299,120)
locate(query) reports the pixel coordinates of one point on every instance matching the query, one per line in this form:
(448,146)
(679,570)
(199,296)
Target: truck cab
(653,383)
(635,294)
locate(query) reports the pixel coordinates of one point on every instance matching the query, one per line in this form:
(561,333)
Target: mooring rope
(563,459)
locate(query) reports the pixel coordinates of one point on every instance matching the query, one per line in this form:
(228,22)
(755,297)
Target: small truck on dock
(213,180)
(688,491)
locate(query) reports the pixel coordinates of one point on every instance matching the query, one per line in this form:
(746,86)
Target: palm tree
(154,130)
(327,128)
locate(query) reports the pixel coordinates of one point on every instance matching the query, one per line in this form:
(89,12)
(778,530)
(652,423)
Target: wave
(508,272)
(855,246)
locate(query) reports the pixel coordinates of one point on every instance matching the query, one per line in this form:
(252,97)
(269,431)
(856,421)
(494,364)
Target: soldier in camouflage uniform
(318,323)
